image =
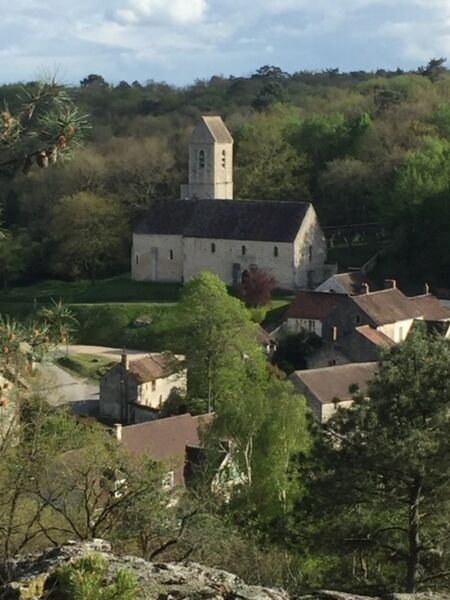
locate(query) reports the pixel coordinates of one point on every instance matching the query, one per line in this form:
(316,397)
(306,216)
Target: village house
(351,283)
(174,440)
(353,328)
(326,389)
(207,230)
(133,391)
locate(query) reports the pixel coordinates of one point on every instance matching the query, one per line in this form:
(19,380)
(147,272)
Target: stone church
(207,230)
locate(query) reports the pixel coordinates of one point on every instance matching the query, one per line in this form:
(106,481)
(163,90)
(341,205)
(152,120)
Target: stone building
(329,388)
(135,391)
(209,231)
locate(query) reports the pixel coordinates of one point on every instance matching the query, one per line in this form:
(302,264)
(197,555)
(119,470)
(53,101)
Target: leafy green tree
(380,482)
(268,167)
(90,233)
(215,328)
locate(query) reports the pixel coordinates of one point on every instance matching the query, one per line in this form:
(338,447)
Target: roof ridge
(165,419)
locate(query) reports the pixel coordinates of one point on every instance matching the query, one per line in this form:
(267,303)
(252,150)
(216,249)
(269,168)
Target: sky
(179,41)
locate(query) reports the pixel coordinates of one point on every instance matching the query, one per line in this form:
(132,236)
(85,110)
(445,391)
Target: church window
(310,253)
(213,248)
(275,251)
(224,159)
(171,254)
(243,250)
(201,159)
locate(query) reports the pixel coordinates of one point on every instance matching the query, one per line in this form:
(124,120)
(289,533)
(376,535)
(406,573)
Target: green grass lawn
(114,289)
(86,365)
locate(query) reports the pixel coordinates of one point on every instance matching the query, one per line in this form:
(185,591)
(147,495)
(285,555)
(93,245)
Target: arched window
(275,251)
(201,159)
(245,275)
(243,250)
(224,159)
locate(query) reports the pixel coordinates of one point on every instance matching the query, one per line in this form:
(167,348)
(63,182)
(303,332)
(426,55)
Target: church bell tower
(210,162)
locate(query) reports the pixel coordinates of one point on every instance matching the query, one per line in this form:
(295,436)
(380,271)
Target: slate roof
(166,439)
(330,383)
(154,366)
(218,129)
(252,220)
(387,306)
(430,307)
(353,282)
(314,305)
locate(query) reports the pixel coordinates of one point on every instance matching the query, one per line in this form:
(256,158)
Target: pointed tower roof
(212,127)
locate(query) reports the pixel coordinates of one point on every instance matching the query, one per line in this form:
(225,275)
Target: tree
(61,322)
(256,288)
(433,69)
(269,94)
(381,482)
(43,127)
(90,233)
(216,328)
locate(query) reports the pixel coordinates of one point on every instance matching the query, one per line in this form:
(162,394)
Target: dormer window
(224,159)
(201,159)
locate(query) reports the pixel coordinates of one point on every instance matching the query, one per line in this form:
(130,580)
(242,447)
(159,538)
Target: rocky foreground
(171,581)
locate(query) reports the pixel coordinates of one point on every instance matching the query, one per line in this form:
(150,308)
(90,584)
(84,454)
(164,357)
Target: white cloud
(161,11)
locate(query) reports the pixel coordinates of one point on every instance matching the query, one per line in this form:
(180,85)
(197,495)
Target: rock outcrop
(27,576)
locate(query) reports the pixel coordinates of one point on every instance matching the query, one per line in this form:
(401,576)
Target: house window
(275,251)
(310,253)
(243,250)
(171,254)
(201,159)
(160,400)
(312,326)
(213,248)
(137,259)
(224,159)
(153,386)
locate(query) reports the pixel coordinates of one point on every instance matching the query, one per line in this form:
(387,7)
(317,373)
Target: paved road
(111,353)
(62,387)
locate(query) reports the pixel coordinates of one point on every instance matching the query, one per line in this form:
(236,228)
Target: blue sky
(179,41)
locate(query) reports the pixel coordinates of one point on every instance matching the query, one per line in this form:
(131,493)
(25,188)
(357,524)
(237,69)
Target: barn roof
(251,220)
(314,305)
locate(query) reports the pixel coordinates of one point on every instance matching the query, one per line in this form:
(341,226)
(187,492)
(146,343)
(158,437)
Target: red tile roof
(373,335)
(430,307)
(154,366)
(314,305)
(166,439)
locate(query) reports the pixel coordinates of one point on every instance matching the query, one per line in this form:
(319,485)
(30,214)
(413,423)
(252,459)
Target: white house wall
(309,236)
(398,331)
(297,325)
(199,257)
(151,258)
(153,395)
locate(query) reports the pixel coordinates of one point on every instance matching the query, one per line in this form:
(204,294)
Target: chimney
(335,333)
(365,287)
(427,289)
(118,431)
(125,361)
(390,284)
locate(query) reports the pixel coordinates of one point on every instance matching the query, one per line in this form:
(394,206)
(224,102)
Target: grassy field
(86,365)
(107,310)
(114,289)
